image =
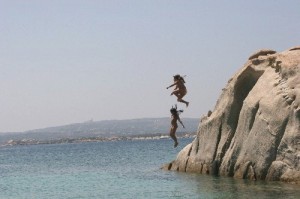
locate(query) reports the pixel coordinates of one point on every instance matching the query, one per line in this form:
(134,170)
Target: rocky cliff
(254,130)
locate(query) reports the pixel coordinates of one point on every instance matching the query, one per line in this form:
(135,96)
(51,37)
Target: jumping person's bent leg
(182,101)
(180,96)
(176,93)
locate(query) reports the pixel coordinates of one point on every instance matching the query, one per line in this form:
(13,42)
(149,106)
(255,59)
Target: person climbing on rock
(180,90)
(174,117)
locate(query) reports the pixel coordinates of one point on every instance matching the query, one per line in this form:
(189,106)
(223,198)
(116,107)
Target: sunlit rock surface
(254,130)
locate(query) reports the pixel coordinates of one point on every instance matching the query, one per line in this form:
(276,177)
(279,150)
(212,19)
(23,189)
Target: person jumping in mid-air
(180,89)
(174,126)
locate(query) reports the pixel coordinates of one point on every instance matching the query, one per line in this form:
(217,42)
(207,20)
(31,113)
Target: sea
(117,169)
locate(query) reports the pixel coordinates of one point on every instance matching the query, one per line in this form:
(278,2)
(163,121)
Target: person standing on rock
(180,90)
(174,118)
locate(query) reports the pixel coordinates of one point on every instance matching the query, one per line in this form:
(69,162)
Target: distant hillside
(106,128)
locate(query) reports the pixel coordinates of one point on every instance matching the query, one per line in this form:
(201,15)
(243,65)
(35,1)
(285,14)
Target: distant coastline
(97,131)
(94,139)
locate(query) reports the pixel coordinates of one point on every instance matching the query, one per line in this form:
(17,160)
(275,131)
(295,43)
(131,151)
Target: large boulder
(254,130)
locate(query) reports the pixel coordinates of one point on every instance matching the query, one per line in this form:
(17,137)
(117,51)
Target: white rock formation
(254,130)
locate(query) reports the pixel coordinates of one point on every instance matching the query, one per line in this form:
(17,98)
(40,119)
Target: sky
(71,61)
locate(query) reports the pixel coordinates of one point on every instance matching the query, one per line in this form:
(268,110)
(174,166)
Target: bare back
(180,85)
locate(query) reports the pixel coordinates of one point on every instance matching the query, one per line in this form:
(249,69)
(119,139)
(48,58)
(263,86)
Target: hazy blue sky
(69,61)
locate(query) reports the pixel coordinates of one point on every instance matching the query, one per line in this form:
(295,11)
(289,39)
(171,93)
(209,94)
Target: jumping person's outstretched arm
(181,122)
(172,85)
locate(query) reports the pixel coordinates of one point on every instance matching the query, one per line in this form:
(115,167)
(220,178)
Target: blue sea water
(122,169)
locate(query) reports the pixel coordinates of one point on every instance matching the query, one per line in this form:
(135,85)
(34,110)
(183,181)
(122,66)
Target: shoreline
(25,142)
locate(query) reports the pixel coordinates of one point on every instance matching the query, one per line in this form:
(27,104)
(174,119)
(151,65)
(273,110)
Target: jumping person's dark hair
(174,110)
(179,77)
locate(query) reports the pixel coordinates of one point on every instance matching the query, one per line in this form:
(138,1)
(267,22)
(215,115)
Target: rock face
(254,130)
